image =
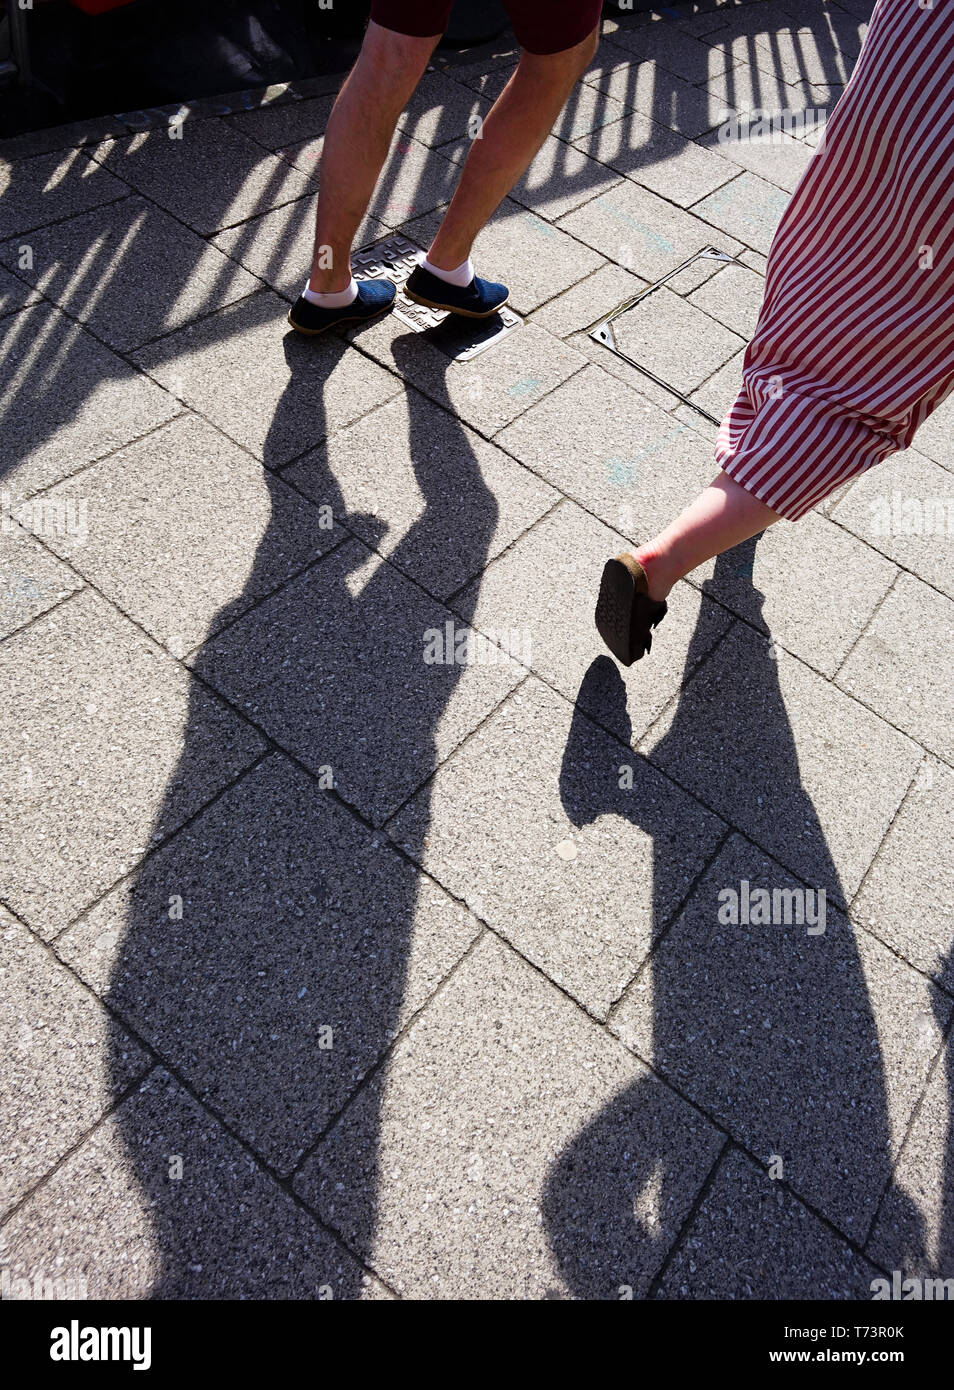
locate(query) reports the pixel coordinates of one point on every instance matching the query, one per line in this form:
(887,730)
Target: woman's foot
(653,562)
(626,612)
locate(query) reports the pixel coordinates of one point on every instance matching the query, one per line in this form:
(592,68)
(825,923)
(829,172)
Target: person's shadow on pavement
(279,984)
(767,1028)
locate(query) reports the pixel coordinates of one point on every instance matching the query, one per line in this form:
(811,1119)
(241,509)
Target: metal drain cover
(461,338)
(603,330)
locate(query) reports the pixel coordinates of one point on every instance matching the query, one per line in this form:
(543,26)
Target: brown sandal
(625,614)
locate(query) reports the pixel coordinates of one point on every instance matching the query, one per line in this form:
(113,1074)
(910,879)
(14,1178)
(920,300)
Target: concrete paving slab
(663,96)
(442,109)
(754,260)
(473,66)
(668,47)
(733,297)
(745,87)
(560,178)
(93,721)
(420,512)
(113,1222)
(778,157)
(860,8)
(751,1239)
(532,257)
(687,416)
(69,136)
(631,377)
(476,1194)
(765,582)
(905,508)
(173,483)
(488,79)
(701,269)
(588,300)
(913,1233)
(807,1048)
(576,856)
(278,246)
(333,667)
(809,774)
(48,187)
(54,1035)
(747,20)
(749,206)
(67,399)
(286,122)
(347,661)
(130,272)
(674,340)
(31,580)
(895,667)
(907,899)
(414,179)
(935,438)
(711,24)
(718,393)
(586,111)
(656,157)
(547,584)
(586,108)
(305,388)
(489,391)
(642,232)
(619,456)
(14,294)
(213,177)
(333,943)
(804,54)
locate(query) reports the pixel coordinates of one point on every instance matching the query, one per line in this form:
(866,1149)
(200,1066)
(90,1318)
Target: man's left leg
(357,140)
(511,134)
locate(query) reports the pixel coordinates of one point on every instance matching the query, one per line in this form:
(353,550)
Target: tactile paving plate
(602,330)
(393,259)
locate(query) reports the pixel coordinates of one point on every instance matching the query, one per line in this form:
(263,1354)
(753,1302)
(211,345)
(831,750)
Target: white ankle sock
(462,276)
(336,300)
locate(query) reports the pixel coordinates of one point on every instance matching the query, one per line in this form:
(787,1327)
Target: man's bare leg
(512,133)
(357,140)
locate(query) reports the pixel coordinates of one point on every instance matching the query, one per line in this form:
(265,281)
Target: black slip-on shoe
(478,300)
(625,613)
(374,297)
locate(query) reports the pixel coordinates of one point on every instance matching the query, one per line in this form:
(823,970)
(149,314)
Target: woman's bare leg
(722,516)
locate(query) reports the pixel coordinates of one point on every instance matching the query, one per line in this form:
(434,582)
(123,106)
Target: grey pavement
(366,931)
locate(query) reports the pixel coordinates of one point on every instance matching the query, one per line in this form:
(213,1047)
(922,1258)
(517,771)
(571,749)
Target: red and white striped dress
(854,345)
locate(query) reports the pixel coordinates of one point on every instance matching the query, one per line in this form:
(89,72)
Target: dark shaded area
(312,915)
(157,51)
(151,52)
(807,1083)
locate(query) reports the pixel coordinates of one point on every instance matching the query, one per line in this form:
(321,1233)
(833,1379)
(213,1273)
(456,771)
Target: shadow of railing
(81,278)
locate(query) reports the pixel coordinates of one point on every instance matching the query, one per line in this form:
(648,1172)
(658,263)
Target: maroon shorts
(541,26)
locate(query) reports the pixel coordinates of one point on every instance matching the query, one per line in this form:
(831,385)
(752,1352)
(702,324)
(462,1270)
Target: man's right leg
(357,140)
